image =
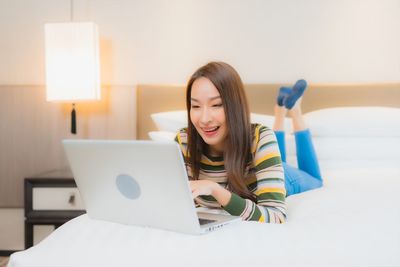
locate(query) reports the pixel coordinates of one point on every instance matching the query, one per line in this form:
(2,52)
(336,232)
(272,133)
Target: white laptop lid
(134,182)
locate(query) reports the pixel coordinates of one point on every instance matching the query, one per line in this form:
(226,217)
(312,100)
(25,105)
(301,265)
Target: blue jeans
(308,175)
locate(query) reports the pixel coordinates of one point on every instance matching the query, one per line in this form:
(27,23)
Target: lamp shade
(72,61)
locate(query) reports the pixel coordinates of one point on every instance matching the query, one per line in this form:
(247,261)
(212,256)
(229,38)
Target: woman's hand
(207,188)
(202,187)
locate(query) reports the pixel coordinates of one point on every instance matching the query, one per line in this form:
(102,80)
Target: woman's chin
(212,141)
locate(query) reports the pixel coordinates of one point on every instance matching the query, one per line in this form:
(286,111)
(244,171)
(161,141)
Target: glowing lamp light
(72,62)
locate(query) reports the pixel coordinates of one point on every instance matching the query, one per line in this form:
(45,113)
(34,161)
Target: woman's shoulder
(259,129)
(181,136)
(182,139)
(261,134)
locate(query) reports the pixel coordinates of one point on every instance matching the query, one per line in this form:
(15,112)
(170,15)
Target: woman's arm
(268,184)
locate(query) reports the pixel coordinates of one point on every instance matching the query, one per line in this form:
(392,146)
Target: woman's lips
(210,131)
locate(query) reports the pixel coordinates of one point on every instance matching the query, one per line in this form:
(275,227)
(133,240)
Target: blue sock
(297,91)
(283,93)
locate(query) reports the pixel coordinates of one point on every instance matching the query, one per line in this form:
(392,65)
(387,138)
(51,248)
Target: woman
(232,164)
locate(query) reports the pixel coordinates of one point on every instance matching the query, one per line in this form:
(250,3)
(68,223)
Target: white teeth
(210,130)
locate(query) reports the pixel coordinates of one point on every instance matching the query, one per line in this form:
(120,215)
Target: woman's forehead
(204,89)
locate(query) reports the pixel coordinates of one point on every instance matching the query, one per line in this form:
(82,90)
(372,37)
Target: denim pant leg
(297,181)
(280,137)
(306,157)
(308,175)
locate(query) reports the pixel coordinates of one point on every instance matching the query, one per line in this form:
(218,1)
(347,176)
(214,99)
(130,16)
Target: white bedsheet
(354,220)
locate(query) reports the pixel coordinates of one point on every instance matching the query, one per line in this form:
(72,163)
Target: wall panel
(31,131)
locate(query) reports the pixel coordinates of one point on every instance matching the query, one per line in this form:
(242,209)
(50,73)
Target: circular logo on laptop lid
(128,186)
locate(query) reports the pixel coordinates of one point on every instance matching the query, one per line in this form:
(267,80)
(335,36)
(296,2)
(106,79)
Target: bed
(352,221)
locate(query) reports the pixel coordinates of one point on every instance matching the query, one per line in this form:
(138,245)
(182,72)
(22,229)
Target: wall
(160,41)
(12,238)
(31,131)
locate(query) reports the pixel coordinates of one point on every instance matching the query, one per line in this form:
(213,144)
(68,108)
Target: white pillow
(162,136)
(173,121)
(354,121)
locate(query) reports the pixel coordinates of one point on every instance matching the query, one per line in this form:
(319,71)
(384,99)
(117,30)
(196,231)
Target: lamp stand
(73,119)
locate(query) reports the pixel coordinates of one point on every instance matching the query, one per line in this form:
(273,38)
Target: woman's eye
(195,106)
(217,105)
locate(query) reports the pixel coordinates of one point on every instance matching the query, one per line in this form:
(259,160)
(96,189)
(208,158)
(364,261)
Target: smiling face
(207,114)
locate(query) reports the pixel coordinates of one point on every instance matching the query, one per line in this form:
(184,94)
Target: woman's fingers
(200,188)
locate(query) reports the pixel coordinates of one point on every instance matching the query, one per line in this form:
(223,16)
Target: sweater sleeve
(268,184)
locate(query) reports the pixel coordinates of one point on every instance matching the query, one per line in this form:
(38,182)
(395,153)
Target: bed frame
(262,97)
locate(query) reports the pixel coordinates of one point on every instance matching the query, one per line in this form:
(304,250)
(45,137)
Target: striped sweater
(264,177)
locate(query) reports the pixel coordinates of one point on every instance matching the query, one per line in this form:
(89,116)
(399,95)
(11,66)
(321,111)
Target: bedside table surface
(64,173)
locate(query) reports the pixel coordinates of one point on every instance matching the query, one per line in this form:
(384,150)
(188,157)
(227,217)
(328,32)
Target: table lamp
(72,63)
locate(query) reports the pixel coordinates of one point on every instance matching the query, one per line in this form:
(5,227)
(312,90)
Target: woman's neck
(216,150)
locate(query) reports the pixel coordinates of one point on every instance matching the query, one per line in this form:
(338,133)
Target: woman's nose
(205,116)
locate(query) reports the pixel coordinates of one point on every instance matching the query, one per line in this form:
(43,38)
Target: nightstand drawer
(56,198)
(50,199)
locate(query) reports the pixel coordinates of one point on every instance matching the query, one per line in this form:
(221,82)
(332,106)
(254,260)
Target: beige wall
(31,131)
(11,229)
(163,41)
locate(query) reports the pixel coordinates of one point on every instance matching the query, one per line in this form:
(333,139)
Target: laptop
(138,183)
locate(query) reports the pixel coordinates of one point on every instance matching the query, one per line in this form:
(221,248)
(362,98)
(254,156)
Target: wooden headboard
(262,97)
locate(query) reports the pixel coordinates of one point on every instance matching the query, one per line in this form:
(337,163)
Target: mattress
(352,221)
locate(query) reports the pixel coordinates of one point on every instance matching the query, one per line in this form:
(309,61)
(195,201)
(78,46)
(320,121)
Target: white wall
(164,41)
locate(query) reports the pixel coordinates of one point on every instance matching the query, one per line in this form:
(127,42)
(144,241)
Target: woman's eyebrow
(211,98)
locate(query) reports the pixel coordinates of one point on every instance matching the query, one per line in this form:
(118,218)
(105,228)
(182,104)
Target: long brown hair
(237,151)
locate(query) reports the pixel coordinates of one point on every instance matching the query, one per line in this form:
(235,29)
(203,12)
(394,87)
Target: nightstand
(50,199)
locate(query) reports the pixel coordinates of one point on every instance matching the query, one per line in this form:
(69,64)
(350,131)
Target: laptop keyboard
(205,221)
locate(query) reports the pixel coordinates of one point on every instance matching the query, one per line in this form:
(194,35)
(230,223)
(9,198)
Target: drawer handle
(71,199)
